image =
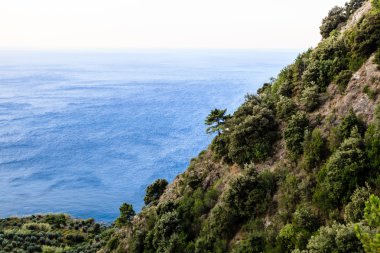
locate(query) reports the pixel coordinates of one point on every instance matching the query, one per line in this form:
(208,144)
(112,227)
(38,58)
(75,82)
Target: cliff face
(294,165)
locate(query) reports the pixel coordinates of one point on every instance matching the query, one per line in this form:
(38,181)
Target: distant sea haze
(83,132)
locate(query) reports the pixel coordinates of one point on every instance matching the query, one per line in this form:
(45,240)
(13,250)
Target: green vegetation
(51,233)
(369,230)
(294,169)
(342,79)
(126,215)
(295,132)
(215,120)
(154,191)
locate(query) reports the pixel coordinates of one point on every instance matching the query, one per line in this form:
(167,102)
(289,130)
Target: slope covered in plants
(296,168)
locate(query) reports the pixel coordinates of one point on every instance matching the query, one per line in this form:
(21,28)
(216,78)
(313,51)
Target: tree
(126,215)
(334,19)
(313,149)
(215,120)
(369,232)
(155,190)
(343,171)
(294,133)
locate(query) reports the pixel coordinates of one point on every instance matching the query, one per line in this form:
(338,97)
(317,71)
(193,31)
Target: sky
(139,24)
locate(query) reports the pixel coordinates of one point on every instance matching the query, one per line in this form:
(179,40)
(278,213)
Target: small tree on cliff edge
(126,215)
(215,120)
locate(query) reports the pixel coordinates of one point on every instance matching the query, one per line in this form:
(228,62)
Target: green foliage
(310,98)
(370,92)
(342,79)
(326,61)
(154,191)
(366,37)
(314,149)
(294,133)
(353,6)
(335,238)
(372,141)
(253,132)
(344,129)
(250,195)
(369,231)
(376,4)
(51,233)
(354,211)
(215,120)
(377,58)
(285,107)
(126,215)
(343,171)
(336,17)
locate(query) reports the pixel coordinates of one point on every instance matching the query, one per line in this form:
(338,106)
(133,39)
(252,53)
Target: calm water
(81,133)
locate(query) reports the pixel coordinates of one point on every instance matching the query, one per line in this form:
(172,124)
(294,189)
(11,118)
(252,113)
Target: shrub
(377,58)
(285,107)
(335,18)
(354,210)
(343,171)
(254,131)
(370,92)
(342,79)
(126,215)
(294,133)
(376,4)
(310,98)
(367,36)
(353,6)
(155,190)
(344,129)
(369,232)
(372,141)
(335,238)
(250,194)
(305,218)
(313,149)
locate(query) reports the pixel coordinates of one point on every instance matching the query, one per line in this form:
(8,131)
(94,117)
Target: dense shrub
(372,141)
(354,210)
(310,98)
(353,6)
(326,61)
(369,231)
(370,92)
(342,79)
(335,238)
(294,133)
(344,129)
(377,58)
(253,133)
(155,190)
(250,194)
(285,107)
(335,18)
(343,171)
(126,215)
(314,149)
(366,38)
(376,4)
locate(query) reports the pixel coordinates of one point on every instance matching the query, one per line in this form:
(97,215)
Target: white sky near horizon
(125,24)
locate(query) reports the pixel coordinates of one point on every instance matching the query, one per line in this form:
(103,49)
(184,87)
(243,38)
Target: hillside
(293,169)
(296,168)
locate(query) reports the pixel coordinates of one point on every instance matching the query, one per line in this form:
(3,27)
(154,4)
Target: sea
(82,132)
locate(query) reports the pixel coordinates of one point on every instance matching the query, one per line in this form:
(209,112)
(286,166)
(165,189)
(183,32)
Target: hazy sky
(121,24)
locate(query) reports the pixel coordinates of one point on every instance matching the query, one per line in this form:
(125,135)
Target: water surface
(82,132)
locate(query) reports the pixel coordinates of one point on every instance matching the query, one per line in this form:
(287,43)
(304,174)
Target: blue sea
(83,132)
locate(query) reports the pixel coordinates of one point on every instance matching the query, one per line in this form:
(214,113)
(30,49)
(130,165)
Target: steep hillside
(293,169)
